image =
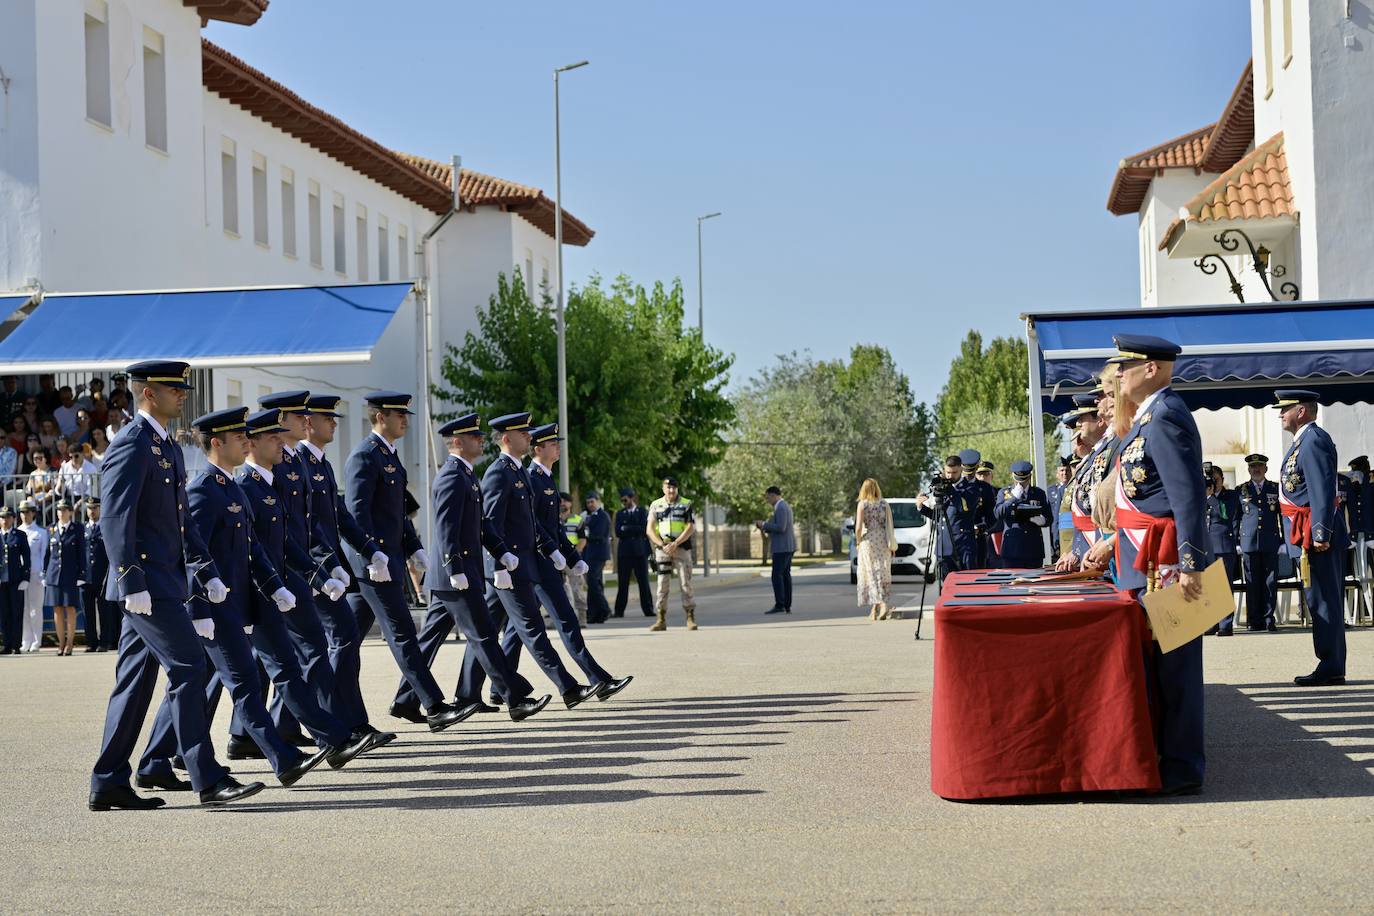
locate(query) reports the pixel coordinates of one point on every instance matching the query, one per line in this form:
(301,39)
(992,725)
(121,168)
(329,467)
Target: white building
(1290,163)
(135,155)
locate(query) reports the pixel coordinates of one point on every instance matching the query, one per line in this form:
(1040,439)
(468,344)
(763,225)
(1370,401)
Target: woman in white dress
(877,544)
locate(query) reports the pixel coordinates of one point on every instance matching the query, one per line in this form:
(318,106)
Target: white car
(914,531)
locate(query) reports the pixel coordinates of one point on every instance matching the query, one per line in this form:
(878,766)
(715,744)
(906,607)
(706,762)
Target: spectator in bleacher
(17,433)
(77,477)
(48,398)
(94,402)
(84,424)
(9,460)
(11,400)
(48,433)
(30,412)
(31,443)
(42,486)
(61,449)
(95,448)
(119,413)
(65,412)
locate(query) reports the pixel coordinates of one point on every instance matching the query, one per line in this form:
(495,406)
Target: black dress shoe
(293,774)
(90,648)
(300,741)
(376,739)
(340,756)
(486,707)
(1272,627)
(122,797)
(494,700)
(578,695)
(168,783)
(243,749)
(1319,680)
(408,713)
(525,708)
(776,610)
(1226,633)
(229,789)
(103,649)
(1182,788)
(648,613)
(607,689)
(446,715)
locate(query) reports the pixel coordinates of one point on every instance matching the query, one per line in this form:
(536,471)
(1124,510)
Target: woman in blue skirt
(63,579)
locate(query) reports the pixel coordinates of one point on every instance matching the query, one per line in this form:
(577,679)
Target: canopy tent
(1233,355)
(213,328)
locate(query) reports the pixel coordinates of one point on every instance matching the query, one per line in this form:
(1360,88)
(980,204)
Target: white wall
(20,254)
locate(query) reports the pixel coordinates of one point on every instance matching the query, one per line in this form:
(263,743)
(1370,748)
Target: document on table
(1176,622)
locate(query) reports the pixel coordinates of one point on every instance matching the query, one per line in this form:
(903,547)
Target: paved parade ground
(762,764)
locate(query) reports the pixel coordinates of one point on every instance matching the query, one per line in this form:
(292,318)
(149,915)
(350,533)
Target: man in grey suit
(783,544)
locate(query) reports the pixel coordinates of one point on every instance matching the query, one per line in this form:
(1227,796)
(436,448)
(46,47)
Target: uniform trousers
(1326,602)
(11,615)
(1261,588)
(90,614)
(516,607)
(577,591)
(547,589)
(1232,566)
(638,568)
(163,639)
(111,621)
(682,565)
(345,644)
(312,652)
(468,610)
(33,615)
(597,608)
(385,603)
(1176,693)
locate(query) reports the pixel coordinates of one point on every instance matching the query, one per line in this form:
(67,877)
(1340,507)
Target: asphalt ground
(760,764)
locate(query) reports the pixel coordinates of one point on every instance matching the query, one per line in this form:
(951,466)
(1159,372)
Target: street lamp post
(564,475)
(701,329)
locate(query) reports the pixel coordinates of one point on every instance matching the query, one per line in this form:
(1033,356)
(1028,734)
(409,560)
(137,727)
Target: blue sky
(893,173)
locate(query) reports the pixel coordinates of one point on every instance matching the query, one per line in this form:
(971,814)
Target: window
(340,255)
(288,212)
(263,391)
(361,241)
(234,395)
(529,273)
(1267,12)
(260,199)
(229,184)
(154,91)
(383,250)
(97,62)
(1287,32)
(316,240)
(402,254)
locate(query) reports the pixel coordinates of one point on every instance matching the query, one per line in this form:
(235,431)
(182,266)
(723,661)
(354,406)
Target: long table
(1038,694)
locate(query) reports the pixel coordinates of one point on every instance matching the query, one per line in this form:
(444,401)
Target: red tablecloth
(1034,698)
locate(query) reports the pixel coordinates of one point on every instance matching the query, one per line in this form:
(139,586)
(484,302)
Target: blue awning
(208,328)
(1233,355)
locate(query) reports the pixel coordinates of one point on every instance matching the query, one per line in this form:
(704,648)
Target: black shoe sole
(245,755)
(578,702)
(1324,682)
(248,792)
(405,715)
(104,807)
(149,784)
(610,692)
(539,707)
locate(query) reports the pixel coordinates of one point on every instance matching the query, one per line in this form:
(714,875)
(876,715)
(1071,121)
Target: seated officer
(1023,510)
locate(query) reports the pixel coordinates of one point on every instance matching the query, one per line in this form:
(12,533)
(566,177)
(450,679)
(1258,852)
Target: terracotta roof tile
(242,12)
(1134,174)
(1235,129)
(1256,187)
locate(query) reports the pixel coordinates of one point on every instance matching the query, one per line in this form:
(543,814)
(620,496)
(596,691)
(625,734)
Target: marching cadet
(1261,537)
(155,553)
(632,553)
(14,575)
(548,578)
(1054,495)
(670,526)
(332,525)
(223,514)
(991,542)
(1162,536)
(1223,531)
(514,539)
(376,498)
(64,576)
(1307,498)
(1023,510)
(456,581)
(102,615)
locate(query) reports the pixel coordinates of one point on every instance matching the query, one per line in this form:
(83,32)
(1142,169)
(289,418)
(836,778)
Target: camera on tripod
(940,486)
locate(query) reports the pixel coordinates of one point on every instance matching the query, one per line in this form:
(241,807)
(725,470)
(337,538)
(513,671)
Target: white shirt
(464,461)
(1145,405)
(1298,435)
(536,461)
(157,427)
(66,419)
(213,466)
(318,453)
(266,474)
(391,446)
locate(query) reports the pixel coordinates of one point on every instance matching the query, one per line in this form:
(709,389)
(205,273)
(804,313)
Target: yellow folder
(1176,622)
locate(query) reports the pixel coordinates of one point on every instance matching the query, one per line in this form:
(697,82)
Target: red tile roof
(1235,129)
(420,180)
(1256,187)
(1134,174)
(242,12)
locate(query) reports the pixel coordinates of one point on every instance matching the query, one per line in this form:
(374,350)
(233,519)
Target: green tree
(999,436)
(635,378)
(983,383)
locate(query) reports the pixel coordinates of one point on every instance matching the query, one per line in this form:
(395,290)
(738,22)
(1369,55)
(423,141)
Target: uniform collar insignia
(519,484)
(156,450)
(219,479)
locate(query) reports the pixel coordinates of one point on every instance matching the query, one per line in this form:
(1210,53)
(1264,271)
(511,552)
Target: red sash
(1300,518)
(1159,543)
(1083,523)
(997,542)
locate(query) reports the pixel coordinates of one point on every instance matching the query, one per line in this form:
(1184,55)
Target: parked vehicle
(914,531)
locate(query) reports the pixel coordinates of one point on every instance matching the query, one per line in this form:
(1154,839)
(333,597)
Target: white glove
(333,589)
(502,579)
(139,603)
(1017,491)
(285,600)
(80,582)
(248,629)
(420,559)
(580,568)
(558,561)
(205,629)
(216,591)
(338,572)
(377,569)
(24,586)
(459,581)
(1039,520)
(510,561)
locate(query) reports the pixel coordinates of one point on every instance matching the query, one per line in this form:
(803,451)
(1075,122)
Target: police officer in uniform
(596,551)
(102,620)
(1223,531)
(376,498)
(1023,510)
(1161,518)
(632,553)
(456,581)
(991,542)
(14,571)
(970,513)
(1261,537)
(155,552)
(1307,498)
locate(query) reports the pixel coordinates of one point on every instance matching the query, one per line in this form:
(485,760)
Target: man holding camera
(964,509)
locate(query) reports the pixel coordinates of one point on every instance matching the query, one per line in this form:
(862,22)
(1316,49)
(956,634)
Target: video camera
(940,487)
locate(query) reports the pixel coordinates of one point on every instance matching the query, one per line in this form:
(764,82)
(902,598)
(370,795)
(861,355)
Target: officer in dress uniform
(1307,498)
(548,578)
(991,542)
(513,540)
(377,500)
(1223,530)
(1095,467)
(1054,494)
(333,525)
(596,551)
(63,578)
(1161,521)
(155,553)
(102,615)
(222,513)
(970,513)
(1023,510)
(632,553)
(1078,421)
(1261,536)
(14,571)
(456,580)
